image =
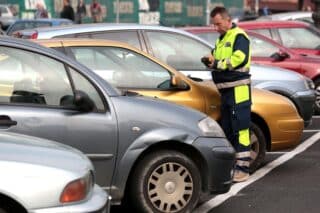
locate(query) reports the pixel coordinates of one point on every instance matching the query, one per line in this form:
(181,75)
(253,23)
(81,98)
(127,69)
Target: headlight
(210,127)
(309,83)
(77,190)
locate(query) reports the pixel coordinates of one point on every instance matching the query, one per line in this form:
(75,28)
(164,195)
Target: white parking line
(276,153)
(311,130)
(219,199)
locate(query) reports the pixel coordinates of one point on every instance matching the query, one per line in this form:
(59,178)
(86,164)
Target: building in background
(163,12)
(280,5)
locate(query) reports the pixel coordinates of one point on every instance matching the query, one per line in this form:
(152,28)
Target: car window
(299,38)
(130,37)
(262,48)
(265,32)
(210,37)
(83,84)
(123,68)
(179,51)
(31,78)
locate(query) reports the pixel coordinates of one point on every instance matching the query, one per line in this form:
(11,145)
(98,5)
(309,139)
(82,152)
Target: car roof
(208,29)
(286,15)
(44,20)
(50,32)
(271,24)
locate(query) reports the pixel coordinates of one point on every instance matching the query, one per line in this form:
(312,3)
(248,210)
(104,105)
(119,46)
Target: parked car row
(130,69)
(182,51)
(172,156)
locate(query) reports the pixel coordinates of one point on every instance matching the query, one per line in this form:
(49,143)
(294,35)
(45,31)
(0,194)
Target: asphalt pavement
(291,186)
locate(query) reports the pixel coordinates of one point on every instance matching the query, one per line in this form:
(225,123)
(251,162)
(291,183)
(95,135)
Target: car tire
(257,147)
(165,181)
(317,90)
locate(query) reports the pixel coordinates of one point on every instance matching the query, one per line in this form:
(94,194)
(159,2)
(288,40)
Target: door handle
(6,121)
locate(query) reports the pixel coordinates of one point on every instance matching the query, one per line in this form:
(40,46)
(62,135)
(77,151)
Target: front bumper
(99,202)
(305,102)
(219,157)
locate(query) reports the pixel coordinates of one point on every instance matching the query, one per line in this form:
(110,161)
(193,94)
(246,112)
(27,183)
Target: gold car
(276,123)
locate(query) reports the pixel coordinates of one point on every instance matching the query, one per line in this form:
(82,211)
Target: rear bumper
(305,102)
(219,157)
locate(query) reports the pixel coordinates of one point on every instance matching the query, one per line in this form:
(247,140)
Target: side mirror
(178,83)
(279,56)
(83,102)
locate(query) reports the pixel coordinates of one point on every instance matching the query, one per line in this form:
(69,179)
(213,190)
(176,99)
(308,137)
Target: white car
(40,176)
(6,16)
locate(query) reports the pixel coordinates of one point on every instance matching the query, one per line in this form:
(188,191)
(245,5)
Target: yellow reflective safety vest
(229,61)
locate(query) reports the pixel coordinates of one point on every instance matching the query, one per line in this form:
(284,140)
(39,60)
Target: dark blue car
(22,24)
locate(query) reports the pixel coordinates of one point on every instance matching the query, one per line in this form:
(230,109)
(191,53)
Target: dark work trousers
(236,117)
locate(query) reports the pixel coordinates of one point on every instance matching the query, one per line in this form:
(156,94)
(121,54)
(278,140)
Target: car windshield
(123,68)
(300,38)
(210,37)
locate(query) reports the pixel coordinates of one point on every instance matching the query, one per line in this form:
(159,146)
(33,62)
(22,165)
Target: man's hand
(208,60)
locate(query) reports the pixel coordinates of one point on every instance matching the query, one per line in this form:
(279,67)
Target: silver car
(160,156)
(183,50)
(42,176)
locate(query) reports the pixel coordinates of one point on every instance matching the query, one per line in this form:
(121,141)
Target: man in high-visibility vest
(230,61)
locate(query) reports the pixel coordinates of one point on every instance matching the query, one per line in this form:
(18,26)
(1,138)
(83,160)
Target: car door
(34,94)
(262,50)
(129,70)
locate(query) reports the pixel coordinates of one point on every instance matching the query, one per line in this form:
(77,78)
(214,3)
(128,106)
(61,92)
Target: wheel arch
(255,118)
(183,148)
(11,203)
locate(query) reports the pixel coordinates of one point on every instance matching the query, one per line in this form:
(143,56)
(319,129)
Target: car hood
(38,151)
(266,72)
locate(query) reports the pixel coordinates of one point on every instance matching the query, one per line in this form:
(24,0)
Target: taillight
(34,35)
(77,190)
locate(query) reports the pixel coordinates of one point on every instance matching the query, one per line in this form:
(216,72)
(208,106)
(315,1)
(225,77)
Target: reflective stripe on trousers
(235,121)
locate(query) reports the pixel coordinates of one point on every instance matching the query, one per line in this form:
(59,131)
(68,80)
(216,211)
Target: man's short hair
(220,10)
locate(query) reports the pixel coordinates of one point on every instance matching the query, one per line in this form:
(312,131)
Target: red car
(267,51)
(301,37)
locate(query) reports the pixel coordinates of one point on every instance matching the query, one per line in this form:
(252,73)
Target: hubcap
(170,187)
(254,151)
